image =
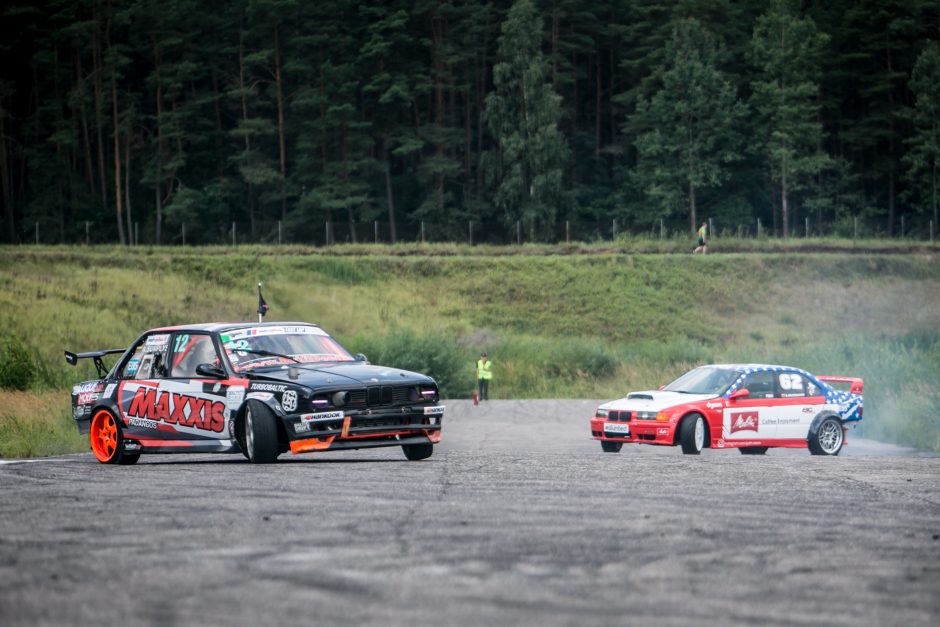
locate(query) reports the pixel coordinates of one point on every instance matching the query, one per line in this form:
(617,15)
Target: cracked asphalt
(518,518)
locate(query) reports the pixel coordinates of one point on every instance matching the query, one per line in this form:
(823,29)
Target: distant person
(484,374)
(702,247)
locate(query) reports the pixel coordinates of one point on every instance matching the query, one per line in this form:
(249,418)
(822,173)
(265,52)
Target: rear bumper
(641,431)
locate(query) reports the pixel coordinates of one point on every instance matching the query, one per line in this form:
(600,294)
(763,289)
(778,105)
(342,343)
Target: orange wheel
(106,439)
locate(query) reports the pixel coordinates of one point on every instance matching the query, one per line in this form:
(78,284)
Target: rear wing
(72,359)
(857,385)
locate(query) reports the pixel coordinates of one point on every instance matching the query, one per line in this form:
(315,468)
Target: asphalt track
(519,518)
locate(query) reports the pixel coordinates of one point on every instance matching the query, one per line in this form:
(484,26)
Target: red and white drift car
(750,407)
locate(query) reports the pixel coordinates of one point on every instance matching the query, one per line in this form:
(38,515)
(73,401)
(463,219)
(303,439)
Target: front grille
(622,416)
(357,397)
(391,395)
(384,421)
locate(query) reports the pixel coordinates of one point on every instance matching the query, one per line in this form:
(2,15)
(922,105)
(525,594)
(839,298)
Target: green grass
(586,321)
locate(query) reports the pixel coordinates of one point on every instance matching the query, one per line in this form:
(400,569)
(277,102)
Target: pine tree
(690,125)
(923,158)
(785,50)
(522,113)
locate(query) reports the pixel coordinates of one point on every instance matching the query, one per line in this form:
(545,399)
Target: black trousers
(484,388)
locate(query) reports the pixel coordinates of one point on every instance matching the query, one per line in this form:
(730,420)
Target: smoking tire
(828,438)
(611,447)
(692,434)
(260,434)
(416,452)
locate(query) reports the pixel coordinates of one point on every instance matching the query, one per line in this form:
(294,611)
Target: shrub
(433,354)
(17,366)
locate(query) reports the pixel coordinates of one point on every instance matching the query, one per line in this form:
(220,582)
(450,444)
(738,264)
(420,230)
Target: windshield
(303,344)
(704,380)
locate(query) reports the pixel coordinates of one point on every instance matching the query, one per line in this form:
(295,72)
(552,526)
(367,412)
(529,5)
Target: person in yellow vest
(702,247)
(484,374)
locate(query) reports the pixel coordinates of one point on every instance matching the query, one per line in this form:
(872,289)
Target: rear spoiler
(72,359)
(857,384)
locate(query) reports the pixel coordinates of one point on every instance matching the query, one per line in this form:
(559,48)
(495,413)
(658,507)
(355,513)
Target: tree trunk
(83,115)
(390,198)
(280,122)
(692,216)
(158,162)
(118,204)
(6,181)
(241,89)
(784,210)
(96,60)
(132,232)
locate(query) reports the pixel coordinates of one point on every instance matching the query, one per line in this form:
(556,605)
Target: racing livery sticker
(289,401)
(744,421)
(183,408)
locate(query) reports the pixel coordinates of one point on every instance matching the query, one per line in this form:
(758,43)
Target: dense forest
(173,120)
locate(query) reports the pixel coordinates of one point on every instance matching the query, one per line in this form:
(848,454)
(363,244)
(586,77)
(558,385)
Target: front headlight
(600,413)
(645,415)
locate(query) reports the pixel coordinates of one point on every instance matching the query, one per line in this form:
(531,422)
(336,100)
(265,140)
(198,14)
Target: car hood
(342,374)
(655,400)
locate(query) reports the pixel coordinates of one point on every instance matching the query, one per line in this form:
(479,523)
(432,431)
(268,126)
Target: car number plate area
(612,428)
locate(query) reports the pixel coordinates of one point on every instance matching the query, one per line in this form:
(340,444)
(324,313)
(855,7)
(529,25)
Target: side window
(190,350)
(760,384)
(148,360)
(791,385)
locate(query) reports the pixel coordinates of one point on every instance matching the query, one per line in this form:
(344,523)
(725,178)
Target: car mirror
(742,393)
(361,357)
(210,370)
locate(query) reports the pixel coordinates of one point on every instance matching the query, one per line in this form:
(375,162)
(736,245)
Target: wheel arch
(818,420)
(688,414)
(283,441)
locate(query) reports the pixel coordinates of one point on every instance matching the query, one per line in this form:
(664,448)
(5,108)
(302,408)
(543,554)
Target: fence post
(518,233)
(758,228)
(470,228)
(614,229)
(278,232)
(662,229)
(233,235)
(856,228)
(568,231)
(807,226)
(931,231)
(88,233)
(136,233)
(902,227)
(375,228)
(422,231)
(711,229)
(184,233)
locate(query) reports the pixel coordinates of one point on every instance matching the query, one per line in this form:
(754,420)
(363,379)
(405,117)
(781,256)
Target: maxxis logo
(289,401)
(744,421)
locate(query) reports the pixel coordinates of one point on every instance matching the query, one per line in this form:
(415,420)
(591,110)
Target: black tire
(416,452)
(611,447)
(128,459)
(260,433)
(692,434)
(828,438)
(753,450)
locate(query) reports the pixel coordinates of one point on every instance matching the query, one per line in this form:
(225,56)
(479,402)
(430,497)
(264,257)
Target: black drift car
(259,389)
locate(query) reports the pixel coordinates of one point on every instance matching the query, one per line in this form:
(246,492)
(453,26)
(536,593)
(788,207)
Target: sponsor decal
(87,398)
(158,340)
(260,396)
(744,421)
(130,445)
(238,334)
(720,443)
(433,411)
(289,401)
(714,405)
(78,412)
(181,409)
(234,396)
(301,427)
(267,387)
(85,388)
(108,391)
(663,431)
(324,416)
(132,366)
(807,410)
(143,422)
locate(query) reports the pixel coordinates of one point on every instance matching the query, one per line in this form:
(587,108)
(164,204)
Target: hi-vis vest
(483,370)
(701,233)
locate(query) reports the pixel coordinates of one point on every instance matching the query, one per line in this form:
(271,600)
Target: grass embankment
(556,325)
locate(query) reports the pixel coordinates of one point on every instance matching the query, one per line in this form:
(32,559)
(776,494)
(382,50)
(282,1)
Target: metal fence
(51,231)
